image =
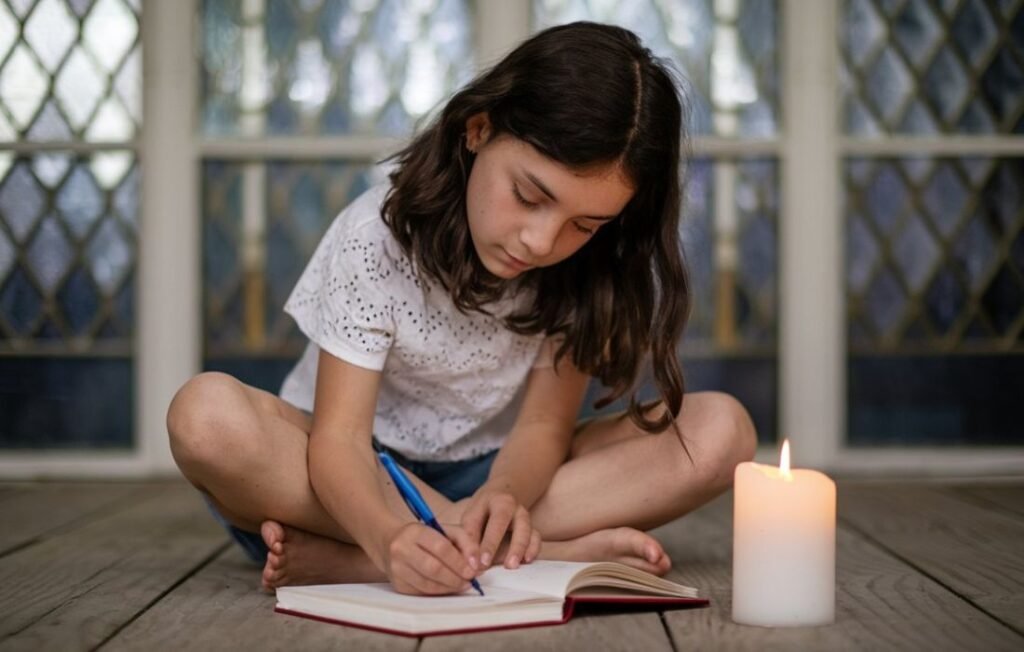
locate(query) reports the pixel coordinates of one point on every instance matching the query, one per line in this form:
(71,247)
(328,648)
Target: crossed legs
(246,450)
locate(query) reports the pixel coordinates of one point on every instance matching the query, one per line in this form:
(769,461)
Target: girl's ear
(478,131)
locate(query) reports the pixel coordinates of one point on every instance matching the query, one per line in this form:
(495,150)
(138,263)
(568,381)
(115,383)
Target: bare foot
(300,557)
(622,544)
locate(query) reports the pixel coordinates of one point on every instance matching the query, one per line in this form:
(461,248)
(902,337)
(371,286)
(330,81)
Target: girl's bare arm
(344,474)
(540,439)
(537,445)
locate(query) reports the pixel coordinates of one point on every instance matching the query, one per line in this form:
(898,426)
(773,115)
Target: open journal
(539,593)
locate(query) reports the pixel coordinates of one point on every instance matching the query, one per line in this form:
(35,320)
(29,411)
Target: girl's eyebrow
(537,182)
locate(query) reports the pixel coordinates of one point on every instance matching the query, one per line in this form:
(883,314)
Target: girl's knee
(198,419)
(724,437)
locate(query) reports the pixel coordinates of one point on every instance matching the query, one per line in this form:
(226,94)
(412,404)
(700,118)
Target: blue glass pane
(20,302)
(964,400)
(54,403)
(80,201)
(945,300)
(21,200)
(80,301)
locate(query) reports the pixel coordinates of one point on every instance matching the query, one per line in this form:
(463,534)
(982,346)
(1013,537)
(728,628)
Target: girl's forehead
(603,188)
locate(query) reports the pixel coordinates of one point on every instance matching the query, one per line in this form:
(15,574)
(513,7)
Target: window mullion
(169,292)
(499,27)
(812,298)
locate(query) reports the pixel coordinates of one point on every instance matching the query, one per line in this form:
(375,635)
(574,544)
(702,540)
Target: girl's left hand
(492,514)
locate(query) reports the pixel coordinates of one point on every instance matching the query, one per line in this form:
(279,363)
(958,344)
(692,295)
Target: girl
(527,241)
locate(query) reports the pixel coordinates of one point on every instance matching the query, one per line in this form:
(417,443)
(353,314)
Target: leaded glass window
(935,246)
(70,73)
(919,67)
(935,282)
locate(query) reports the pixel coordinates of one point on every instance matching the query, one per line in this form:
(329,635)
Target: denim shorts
(453,480)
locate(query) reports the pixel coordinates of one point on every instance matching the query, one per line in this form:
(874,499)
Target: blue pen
(414,500)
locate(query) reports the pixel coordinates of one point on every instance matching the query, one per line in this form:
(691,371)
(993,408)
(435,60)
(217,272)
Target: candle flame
(784,459)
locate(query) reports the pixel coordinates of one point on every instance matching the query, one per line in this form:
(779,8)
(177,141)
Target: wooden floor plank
(642,631)
(1005,496)
(34,510)
(222,608)
(73,590)
(975,552)
(881,603)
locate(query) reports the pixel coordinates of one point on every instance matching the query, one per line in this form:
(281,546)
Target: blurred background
(853,218)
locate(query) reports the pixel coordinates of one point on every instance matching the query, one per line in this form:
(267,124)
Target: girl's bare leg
(618,475)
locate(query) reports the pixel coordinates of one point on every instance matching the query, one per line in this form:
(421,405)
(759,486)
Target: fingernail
(513,561)
(473,562)
(485,559)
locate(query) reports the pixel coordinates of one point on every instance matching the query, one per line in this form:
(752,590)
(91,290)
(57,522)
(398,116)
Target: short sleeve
(341,302)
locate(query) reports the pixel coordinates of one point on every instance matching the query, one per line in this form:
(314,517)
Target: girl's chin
(498,268)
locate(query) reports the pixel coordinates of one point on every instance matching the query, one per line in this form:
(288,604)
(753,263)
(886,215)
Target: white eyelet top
(452,383)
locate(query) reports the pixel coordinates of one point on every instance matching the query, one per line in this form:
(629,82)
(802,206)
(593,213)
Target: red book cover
(568,608)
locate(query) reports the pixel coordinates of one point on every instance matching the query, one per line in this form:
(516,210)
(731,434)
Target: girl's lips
(515,262)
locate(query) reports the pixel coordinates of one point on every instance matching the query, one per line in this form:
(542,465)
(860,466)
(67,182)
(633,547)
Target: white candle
(784,545)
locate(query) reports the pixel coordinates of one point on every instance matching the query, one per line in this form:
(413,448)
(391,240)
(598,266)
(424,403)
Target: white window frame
(810,150)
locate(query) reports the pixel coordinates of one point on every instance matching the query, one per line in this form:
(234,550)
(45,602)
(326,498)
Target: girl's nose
(539,236)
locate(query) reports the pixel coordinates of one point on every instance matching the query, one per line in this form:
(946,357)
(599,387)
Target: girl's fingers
(467,545)
(473,519)
(534,548)
(497,526)
(502,508)
(408,579)
(443,560)
(521,533)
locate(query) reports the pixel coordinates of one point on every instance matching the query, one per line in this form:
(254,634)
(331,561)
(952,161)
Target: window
(935,246)
(853,227)
(70,111)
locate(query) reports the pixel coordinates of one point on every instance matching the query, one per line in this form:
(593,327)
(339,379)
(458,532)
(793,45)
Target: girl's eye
(522,200)
(583,229)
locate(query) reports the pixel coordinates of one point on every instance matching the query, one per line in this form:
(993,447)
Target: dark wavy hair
(584,95)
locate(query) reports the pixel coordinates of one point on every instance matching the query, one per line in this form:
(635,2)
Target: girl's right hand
(419,560)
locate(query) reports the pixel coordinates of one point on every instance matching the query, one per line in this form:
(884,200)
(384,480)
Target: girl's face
(526,210)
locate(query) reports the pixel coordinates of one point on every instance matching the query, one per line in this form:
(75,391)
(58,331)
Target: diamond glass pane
(935,300)
(375,66)
(726,52)
(916,67)
(73,72)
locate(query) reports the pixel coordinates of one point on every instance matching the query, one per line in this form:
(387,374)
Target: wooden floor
(143,567)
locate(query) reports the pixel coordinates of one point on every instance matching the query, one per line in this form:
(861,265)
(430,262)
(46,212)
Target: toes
(273,572)
(273,535)
(634,542)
